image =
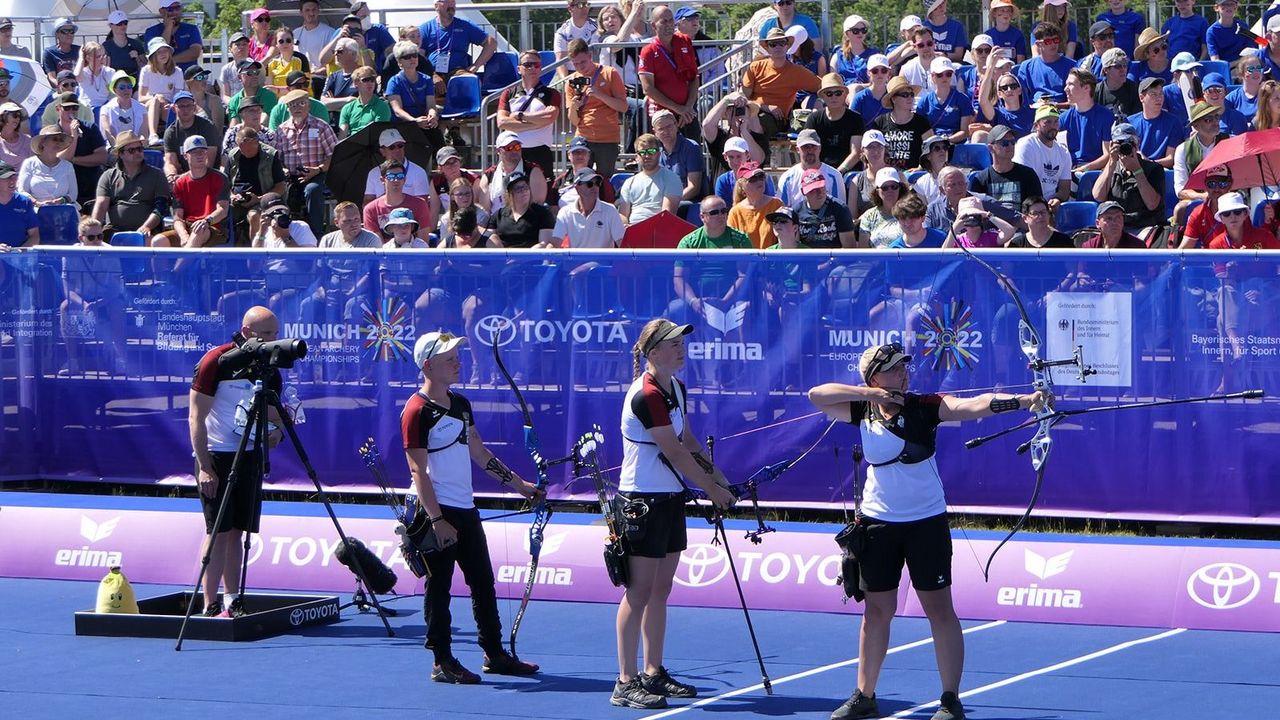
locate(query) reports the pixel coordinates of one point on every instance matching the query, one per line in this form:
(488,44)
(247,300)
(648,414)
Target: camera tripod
(256,428)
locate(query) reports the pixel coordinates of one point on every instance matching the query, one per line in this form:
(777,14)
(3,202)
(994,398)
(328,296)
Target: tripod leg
(724,539)
(287,422)
(257,412)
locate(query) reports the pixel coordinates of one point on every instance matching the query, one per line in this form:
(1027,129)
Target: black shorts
(245,507)
(661,531)
(924,545)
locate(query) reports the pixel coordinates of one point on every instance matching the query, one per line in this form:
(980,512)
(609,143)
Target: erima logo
(95,531)
(726,320)
(1045,568)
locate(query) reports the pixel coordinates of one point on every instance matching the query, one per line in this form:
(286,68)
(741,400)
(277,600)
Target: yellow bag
(115,595)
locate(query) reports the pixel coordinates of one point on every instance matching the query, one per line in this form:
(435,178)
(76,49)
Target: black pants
(471,554)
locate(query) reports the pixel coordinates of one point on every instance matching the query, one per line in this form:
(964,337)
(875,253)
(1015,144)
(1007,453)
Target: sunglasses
(858,31)
(784,2)
(716,212)
(66,32)
(95,236)
(1157,48)
(1051,41)
(904,94)
(251,73)
(263,18)
(1217,184)
(367,80)
(513,147)
(285,41)
(782,221)
(879,71)
(891,186)
(405,58)
(982,50)
(1253,68)
(397,176)
(1010,88)
(531,64)
(945,74)
(925,44)
(833,93)
(395,146)
(1105,36)
(1005,143)
(132,149)
(778,43)
(647,152)
(123,22)
(1232,213)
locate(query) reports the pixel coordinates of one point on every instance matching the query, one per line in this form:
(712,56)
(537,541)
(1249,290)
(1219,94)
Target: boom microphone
(380,577)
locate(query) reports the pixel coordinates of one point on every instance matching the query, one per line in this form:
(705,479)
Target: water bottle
(293,405)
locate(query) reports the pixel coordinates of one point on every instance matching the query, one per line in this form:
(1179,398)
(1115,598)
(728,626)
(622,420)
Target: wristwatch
(520,116)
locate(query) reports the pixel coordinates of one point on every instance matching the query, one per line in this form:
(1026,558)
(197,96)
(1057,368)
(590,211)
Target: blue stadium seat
(851,176)
(154,157)
(1075,215)
(135,268)
(548,59)
(973,156)
(618,179)
(59,224)
(1084,190)
(694,216)
(1216,66)
(1170,195)
(462,97)
(499,72)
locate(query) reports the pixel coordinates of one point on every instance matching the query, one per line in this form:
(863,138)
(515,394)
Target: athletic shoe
(236,609)
(857,706)
(451,671)
(504,663)
(661,683)
(950,708)
(633,695)
(213,609)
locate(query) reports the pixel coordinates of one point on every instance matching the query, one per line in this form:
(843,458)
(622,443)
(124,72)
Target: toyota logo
(702,565)
(1223,586)
(490,324)
(295,617)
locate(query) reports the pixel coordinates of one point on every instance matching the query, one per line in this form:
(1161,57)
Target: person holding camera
(1134,182)
(596,99)
(440,443)
(254,169)
(975,227)
(306,147)
(221,394)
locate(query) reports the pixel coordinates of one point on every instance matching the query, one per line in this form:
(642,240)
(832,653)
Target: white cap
(887,174)
(908,22)
(737,143)
(798,35)
(873,136)
(854,21)
(1230,201)
(941,65)
(505,138)
(1056,2)
(1273,23)
(879,60)
(390,137)
(980,40)
(116,17)
(1186,61)
(433,344)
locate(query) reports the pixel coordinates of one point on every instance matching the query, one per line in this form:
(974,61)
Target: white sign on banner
(1102,325)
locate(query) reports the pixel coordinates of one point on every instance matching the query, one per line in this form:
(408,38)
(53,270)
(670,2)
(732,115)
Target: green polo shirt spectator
(280,113)
(265,97)
(713,278)
(356,116)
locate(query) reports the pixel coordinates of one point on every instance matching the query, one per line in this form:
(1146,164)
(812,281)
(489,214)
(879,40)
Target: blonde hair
(1264,119)
(344,206)
(638,354)
(646,141)
(89,224)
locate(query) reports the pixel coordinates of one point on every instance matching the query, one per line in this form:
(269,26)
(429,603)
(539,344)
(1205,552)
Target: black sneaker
(661,683)
(857,706)
(236,608)
(213,609)
(451,671)
(504,663)
(633,695)
(949,708)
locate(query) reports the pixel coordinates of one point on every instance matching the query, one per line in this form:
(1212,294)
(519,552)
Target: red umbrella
(1253,158)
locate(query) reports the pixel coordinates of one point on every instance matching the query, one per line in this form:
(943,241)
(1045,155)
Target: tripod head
(260,354)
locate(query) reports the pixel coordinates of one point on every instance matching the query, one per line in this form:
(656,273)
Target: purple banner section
(1208,585)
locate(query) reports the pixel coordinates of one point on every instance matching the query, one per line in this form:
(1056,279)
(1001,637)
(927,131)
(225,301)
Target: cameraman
(254,170)
(1133,182)
(596,98)
(221,394)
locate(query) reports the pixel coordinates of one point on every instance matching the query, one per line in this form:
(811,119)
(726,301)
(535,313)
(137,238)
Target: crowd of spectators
(856,142)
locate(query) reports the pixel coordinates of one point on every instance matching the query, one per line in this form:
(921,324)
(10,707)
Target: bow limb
(541,511)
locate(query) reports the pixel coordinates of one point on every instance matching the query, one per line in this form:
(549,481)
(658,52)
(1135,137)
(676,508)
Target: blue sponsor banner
(97,351)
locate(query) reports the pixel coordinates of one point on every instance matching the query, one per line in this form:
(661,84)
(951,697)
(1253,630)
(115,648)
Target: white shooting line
(807,673)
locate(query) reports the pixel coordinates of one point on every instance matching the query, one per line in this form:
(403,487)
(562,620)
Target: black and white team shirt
(903,483)
(648,405)
(232,392)
(443,433)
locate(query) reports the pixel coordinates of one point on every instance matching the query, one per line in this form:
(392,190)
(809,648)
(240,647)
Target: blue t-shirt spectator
(378,39)
(867,105)
(184,37)
(948,36)
(1241,103)
(339,84)
(413,96)
(1128,25)
(1185,34)
(452,44)
(686,158)
(944,115)
(1086,132)
(1224,42)
(1072,35)
(1158,135)
(1038,76)
(852,70)
(1139,70)
(967,78)
(728,181)
(1019,121)
(800,19)
(933,238)
(1092,63)
(1234,122)
(16,218)
(126,58)
(1175,104)
(1012,39)
(55,61)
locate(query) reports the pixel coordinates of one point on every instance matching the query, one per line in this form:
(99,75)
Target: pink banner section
(1207,585)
